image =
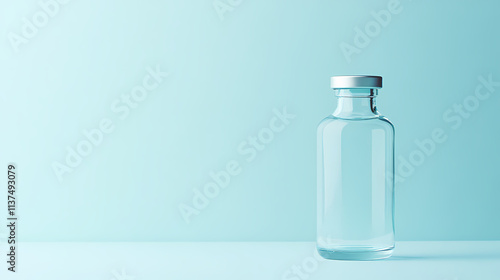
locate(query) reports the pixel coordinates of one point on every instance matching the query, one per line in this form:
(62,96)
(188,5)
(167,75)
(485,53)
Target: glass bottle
(355,219)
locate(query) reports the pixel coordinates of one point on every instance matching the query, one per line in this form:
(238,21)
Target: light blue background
(226,77)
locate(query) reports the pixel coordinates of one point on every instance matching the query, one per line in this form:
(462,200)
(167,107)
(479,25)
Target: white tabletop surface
(240,260)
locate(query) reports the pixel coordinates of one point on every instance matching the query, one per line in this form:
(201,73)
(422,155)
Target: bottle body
(355,219)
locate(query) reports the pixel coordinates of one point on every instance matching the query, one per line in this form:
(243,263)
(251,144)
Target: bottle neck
(356,104)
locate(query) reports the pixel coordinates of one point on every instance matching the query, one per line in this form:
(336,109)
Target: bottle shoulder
(386,121)
(378,121)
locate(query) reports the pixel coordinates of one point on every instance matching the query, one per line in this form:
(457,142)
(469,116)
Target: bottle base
(355,254)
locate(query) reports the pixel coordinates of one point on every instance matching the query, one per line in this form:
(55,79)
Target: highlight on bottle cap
(356,82)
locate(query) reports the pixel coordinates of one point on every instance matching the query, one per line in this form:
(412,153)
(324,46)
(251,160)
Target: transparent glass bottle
(355,175)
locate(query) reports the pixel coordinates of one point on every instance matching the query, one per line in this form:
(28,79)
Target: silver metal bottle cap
(356,82)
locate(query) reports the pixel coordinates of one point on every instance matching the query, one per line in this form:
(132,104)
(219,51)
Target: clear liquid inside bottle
(355,180)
